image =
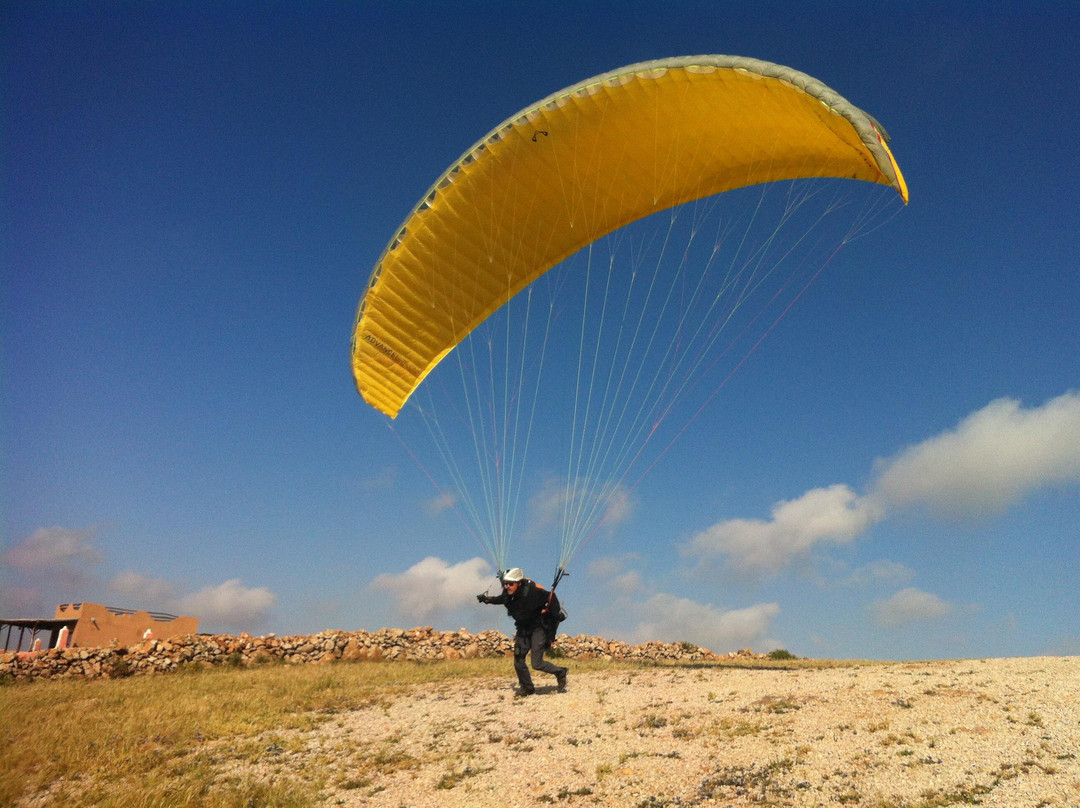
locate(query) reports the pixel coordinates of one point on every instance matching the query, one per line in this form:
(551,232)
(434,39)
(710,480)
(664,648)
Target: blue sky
(193,197)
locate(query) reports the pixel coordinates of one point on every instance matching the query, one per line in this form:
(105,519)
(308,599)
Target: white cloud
(992,459)
(547,504)
(629,583)
(615,592)
(62,560)
(909,605)
(834,514)
(432,586)
(611,566)
(147,592)
(609,504)
(613,572)
(440,504)
(229,606)
(670,618)
(648,614)
(879,572)
(829,573)
(54,548)
(620,507)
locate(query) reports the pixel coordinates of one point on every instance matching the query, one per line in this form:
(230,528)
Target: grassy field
(172,740)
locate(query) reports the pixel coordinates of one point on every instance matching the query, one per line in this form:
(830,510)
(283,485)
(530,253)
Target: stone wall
(162,656)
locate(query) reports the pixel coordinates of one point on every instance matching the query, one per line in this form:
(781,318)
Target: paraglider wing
(578,165)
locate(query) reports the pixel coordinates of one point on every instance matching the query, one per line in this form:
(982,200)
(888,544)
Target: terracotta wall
(98,626)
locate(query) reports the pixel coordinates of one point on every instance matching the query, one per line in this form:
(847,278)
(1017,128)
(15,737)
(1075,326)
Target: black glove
(482,598)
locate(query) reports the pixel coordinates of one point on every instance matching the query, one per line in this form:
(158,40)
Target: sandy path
(989,732)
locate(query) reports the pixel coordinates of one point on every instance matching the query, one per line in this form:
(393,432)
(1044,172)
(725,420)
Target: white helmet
(513,574)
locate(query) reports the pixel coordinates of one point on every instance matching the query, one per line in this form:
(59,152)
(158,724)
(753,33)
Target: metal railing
(161,617)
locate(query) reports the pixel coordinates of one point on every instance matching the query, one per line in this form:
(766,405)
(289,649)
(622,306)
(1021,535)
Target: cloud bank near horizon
(436,587)
(909,605)
(989,461)
(62,564)
(671,619)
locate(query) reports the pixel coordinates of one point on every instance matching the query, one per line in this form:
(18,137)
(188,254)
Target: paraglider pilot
(533,608)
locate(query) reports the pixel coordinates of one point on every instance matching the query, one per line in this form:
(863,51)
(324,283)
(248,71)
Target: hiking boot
(560,680)
(522,692)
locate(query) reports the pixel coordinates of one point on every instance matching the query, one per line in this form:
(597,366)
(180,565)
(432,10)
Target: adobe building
(89,625)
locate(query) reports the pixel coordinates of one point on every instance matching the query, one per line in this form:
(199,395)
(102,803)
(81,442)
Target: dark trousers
(534,645)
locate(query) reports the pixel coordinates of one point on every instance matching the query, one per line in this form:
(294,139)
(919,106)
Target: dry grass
(172,740)
(166,740)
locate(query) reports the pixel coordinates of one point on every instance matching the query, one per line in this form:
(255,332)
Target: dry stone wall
(163,656)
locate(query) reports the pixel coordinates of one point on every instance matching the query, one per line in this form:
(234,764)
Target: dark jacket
(527,605)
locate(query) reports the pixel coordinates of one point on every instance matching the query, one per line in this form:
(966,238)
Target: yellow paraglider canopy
(578,165)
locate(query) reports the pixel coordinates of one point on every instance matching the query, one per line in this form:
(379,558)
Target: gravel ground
(1000,732)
